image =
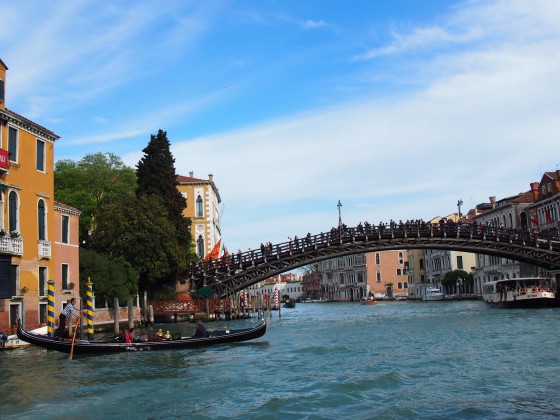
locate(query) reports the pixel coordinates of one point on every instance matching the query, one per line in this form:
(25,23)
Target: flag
(224,251)
(534,220)
(215,253)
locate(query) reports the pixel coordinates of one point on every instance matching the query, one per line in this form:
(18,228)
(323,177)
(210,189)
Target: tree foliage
(138,229)
(451,277)
(111,277)
(156,177)
(95,181)
(309,269)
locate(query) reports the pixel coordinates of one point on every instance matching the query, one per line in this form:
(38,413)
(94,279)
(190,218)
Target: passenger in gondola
(200,330)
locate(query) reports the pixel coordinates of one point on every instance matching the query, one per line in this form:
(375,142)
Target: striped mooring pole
(50,309)
(89,308)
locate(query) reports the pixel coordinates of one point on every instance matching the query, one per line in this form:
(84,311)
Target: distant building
(387,273)
(344,278)
(311,285)
(441,261)
(416,272)
(506,213)
(544,212)
(286,284)
(203,208)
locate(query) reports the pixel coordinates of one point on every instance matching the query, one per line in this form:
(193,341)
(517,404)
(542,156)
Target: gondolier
(69,308)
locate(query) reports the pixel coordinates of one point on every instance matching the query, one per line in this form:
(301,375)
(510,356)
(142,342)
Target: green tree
(138,229)
(309,269)
(451,277)
(156,177)
(111,277)
(95,181)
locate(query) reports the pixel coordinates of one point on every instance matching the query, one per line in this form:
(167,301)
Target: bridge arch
(239,271)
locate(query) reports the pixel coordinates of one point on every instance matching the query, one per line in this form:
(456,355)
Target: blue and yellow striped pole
(89,308)
(50,310)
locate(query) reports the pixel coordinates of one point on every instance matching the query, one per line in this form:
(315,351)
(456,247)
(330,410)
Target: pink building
(387,273)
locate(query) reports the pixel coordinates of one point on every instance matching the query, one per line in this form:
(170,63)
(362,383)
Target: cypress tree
(156,176)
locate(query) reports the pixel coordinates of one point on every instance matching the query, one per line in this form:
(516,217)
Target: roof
(3,64)
(525,197)
(187,180)
(64,207)
(20,120)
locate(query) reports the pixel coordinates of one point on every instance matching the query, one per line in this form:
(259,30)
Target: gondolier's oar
(74,337)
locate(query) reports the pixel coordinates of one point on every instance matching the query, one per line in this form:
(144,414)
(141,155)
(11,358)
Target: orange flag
(215,253)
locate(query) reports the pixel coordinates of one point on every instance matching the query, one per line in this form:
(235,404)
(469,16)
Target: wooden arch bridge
(236,272)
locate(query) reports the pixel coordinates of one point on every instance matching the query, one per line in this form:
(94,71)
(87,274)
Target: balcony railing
(10,245)
(44,249)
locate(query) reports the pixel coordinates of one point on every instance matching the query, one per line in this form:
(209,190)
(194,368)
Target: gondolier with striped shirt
(69,308)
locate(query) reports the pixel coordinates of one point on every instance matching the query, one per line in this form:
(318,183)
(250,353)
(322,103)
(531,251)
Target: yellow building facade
(27,212)
(203,208)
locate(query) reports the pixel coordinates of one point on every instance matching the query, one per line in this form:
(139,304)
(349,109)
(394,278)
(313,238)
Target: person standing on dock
(69,308)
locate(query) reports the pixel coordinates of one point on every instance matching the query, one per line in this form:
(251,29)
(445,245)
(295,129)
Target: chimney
(191,173)
(3,69)
(210,176)
(493,201)
(535,190)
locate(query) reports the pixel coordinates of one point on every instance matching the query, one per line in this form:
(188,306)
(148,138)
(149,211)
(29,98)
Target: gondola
(103,347)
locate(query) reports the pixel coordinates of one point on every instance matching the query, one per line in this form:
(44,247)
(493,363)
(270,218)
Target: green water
(401,360)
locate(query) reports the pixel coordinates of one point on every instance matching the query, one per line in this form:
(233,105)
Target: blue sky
(397,108)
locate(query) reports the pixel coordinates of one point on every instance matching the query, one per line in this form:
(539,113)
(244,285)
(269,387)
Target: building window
(41,220)
(399,285)
(200,246)
(377,258)
(406,285)
(1,90)
(399,273)
(421,263)
(378,276)
(65,277)
(65,225)
(12,144)
(43,307)
(186,197)
(43,281)
(40,155)
(13,211)
(199,208)
(459,262)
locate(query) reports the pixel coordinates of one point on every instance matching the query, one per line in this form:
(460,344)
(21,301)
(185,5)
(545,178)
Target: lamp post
(459,204)
(339,205)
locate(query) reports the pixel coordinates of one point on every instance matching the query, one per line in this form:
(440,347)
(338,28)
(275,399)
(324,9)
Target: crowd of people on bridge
(368,232)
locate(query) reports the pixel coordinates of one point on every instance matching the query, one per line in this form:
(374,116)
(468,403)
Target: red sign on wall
(3,159)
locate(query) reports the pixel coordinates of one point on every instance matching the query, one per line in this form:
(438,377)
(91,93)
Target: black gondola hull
(104,347)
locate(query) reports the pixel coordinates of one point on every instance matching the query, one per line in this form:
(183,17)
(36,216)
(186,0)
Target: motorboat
(433,294)
(14,342)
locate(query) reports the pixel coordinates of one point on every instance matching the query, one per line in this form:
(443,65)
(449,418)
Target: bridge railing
(368,232)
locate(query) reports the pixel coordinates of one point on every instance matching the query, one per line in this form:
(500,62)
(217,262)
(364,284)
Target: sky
(396,108)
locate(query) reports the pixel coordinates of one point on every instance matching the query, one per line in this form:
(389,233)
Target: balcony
(10,245)
(44,249)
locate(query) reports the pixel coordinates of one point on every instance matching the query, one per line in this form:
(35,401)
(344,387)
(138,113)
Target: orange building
(387,273)
(27,216)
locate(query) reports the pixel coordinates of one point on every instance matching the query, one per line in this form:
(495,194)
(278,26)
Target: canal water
(393,360)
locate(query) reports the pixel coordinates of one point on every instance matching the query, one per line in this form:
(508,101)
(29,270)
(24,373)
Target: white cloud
(313,24)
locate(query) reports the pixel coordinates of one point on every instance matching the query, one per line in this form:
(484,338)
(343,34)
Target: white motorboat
(14,342)
(528,292)
(433,294)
